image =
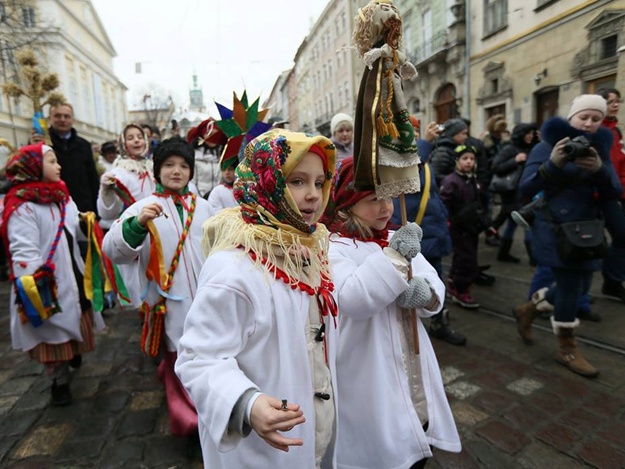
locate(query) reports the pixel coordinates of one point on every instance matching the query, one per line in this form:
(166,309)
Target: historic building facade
(72,42)
(529,59)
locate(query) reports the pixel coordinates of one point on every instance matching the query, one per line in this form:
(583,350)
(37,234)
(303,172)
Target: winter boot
(568,352)
(439,329)
(528,248)
(526,313)
(504,252)
(61,394)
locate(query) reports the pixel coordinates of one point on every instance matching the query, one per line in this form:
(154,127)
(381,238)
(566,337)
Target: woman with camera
(572,167)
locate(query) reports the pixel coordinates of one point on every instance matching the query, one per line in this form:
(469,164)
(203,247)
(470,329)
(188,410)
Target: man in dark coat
(74,154)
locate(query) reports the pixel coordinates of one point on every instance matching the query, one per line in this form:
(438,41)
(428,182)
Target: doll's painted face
(374,212)
(381,15)
(135,142)
(51,169)
(305,183)
(466,162)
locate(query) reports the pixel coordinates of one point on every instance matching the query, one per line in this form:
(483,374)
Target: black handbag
(506,183)
(581,240)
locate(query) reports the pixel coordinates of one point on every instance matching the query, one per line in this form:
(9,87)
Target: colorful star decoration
(241,125)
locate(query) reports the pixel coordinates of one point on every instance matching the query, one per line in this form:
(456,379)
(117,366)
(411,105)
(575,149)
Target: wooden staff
(412,312)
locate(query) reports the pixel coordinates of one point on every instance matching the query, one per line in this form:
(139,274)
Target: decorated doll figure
(385,153)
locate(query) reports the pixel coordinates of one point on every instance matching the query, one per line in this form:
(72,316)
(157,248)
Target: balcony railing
(437,43)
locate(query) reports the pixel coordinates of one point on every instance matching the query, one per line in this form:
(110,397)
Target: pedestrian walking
(129,181)
(466,203)
(259,340)
(162,234)
(376,362)
(572,167)
(51,318)
(222,195)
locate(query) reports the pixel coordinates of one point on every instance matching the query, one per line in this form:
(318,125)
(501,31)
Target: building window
(608,47)
(544,3)
(28,17)
(427,33)
(2,12)
(495,15)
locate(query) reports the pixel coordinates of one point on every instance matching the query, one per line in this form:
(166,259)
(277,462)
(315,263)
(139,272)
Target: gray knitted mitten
(407,241)
(417,294)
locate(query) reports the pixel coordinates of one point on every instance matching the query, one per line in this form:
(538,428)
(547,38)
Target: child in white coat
(222,195)
(257,349)
(40,225)
(392,402)
(129,181)
(162,235)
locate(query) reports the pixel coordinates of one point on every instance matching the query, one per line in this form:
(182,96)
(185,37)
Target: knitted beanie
(339,119)
(587,102)
(454,127)
(174,146)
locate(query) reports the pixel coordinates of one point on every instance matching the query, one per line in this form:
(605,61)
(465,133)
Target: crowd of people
(277,299)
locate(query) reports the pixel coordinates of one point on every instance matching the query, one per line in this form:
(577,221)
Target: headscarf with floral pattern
(267,220)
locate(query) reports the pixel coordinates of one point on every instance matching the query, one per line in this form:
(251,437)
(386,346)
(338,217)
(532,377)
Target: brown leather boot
(524,315)
(568,352)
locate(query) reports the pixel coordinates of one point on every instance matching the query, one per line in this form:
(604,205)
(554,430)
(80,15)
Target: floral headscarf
(267,221)
(260,186)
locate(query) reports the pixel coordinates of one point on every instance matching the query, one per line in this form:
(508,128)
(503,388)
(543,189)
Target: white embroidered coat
(222,197)
(31,231)
(378,423)
(190,263)
(140,188)
(247,331)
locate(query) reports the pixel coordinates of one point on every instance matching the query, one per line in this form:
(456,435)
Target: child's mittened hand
(418,294)
(268,420)
(407,241)
(149,212)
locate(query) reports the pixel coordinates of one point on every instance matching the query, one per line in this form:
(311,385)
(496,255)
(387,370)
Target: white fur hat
(339,119)
(587,102)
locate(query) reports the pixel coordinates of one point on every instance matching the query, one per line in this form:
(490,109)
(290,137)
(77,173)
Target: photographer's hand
(558,157)
(590,162)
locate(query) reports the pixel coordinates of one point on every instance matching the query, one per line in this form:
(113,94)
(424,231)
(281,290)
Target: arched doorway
(445,105)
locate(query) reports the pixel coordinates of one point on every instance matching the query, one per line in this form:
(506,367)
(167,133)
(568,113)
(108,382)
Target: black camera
(579,146)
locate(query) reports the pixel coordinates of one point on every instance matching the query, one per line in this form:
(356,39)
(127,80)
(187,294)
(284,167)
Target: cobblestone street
(515,407)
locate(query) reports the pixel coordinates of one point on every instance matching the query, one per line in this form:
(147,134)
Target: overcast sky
(230,44)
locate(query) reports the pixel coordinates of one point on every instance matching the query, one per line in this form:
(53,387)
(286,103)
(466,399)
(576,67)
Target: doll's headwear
(206,132)
(240,125)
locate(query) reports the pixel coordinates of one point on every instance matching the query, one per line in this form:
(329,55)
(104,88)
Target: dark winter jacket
(443,158)
(465,202)
(570,193)
(78,169)
(436,242)
(482,170)
(505,161)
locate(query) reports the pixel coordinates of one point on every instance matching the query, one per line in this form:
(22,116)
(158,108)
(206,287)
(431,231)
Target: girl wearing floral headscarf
(129,181)
(40,225)
(257,349)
